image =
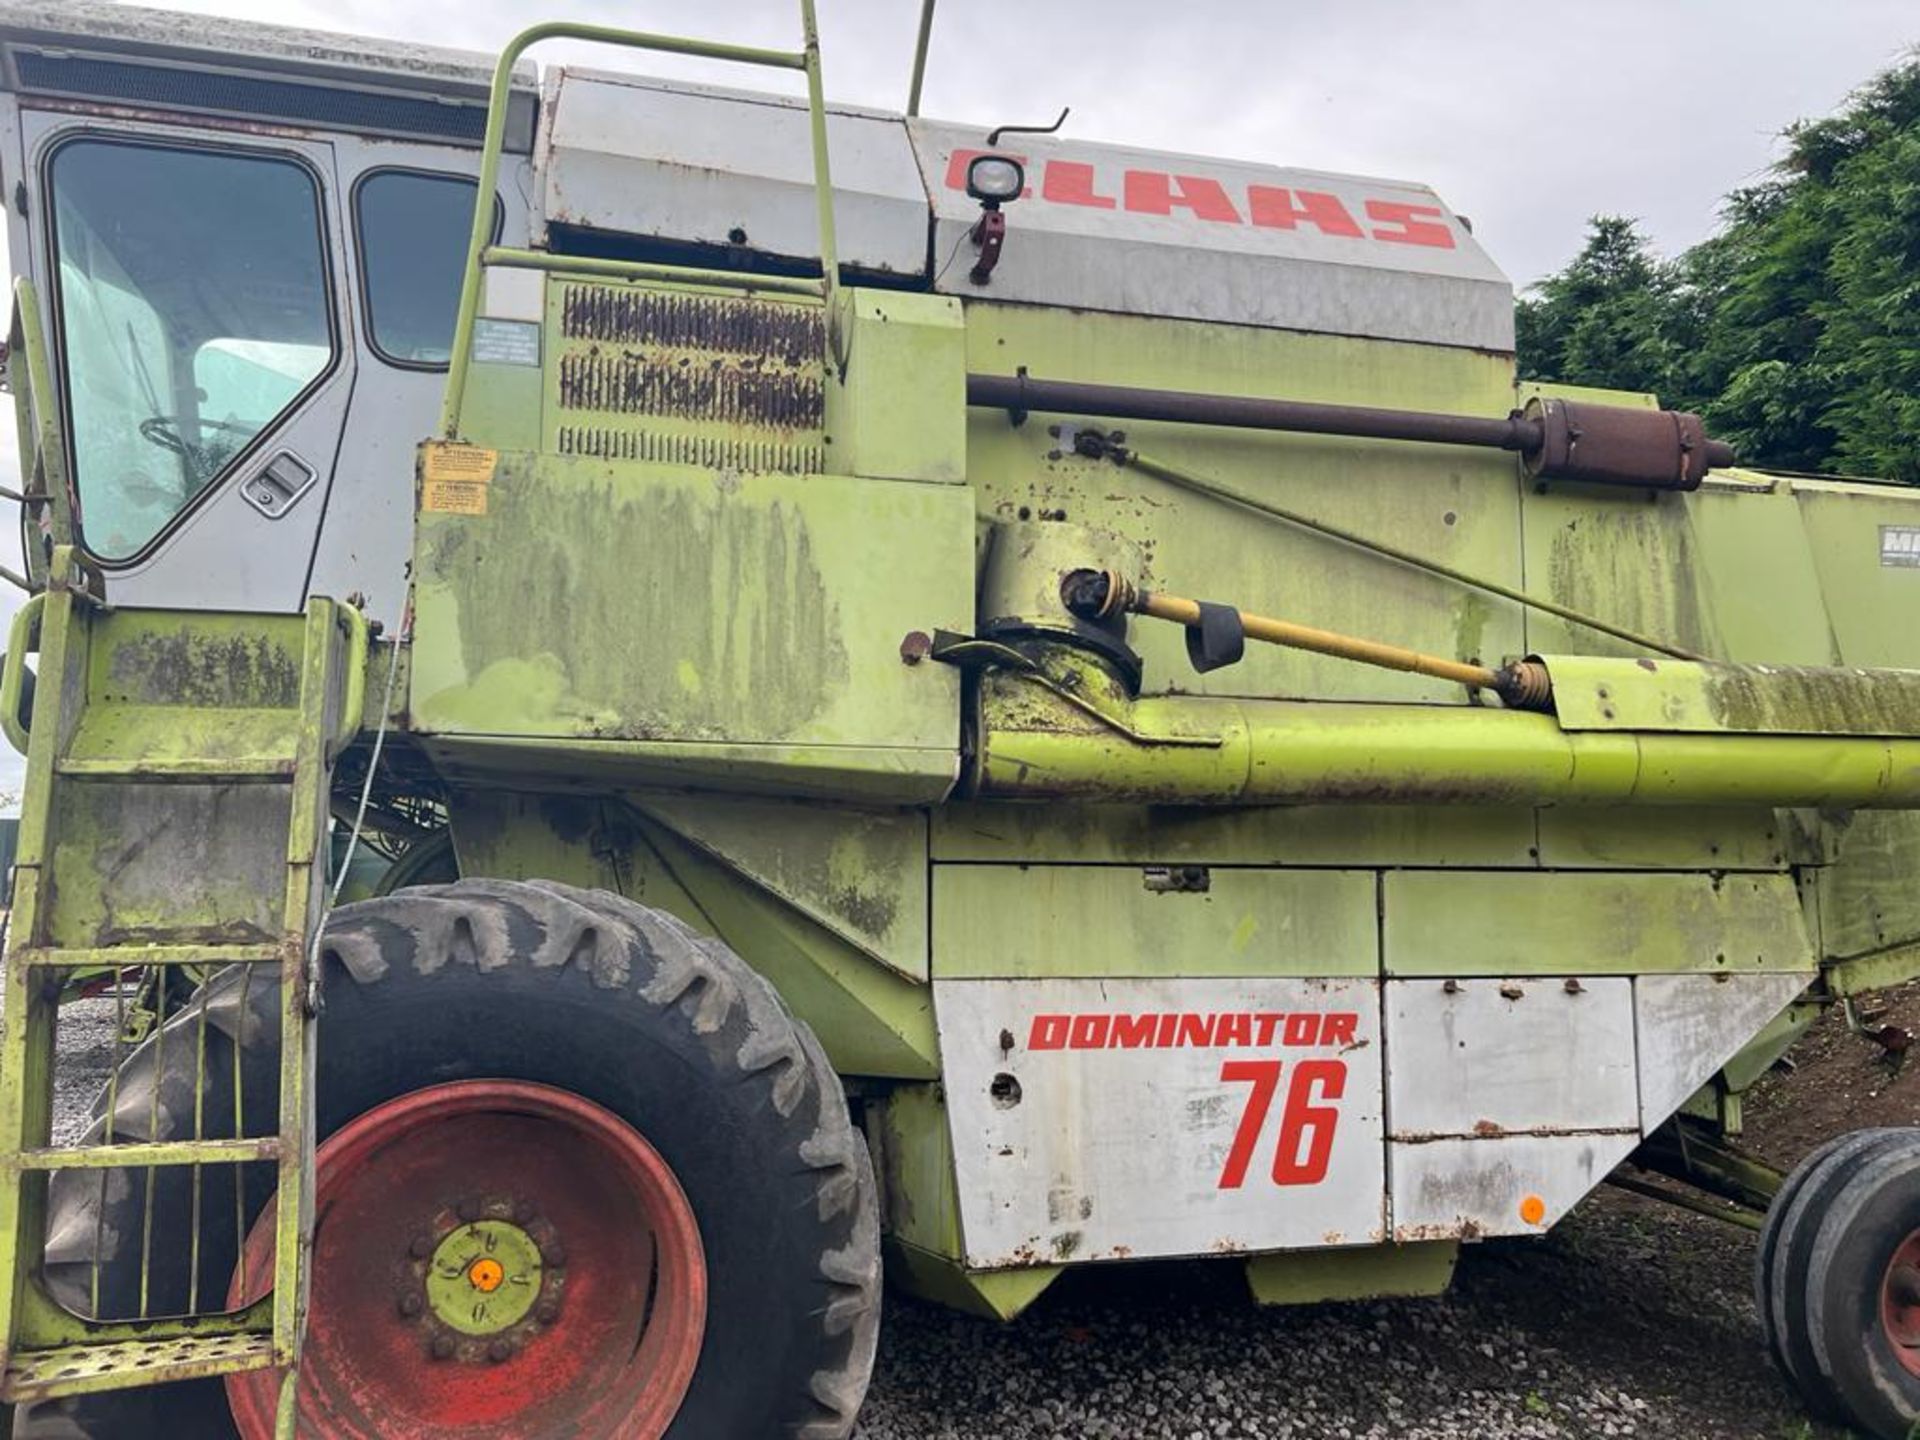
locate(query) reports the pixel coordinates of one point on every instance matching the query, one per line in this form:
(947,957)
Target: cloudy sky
(1526,115)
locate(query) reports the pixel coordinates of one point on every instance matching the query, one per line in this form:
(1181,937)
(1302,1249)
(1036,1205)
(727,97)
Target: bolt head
(468,1210)
(547,1313)
(555,1254)
(421,1247)
(499,1350)
(411,1305)
(442,1347)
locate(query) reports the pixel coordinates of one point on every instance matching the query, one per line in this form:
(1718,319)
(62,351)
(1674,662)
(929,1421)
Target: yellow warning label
(454,478)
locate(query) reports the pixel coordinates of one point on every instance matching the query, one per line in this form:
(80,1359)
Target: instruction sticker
(454,478)
(1900,546)
(506,342)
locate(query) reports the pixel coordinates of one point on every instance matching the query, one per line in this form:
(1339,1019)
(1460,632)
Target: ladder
(176,802)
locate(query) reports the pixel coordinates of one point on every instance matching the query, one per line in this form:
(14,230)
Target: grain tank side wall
(1460,506)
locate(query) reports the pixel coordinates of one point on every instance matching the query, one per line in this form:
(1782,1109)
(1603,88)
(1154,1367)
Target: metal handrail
(806,59)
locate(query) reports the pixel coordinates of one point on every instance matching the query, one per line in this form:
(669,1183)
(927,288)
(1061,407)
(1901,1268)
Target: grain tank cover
(1101,227)
(701,165)
(1148,233)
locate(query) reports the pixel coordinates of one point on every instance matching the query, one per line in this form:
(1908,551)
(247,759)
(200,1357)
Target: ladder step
(139,1155)
(119,1364)
(132,957)
(184,770)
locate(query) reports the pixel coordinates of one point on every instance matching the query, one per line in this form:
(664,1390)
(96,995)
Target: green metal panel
(1310,1277)
(678,607)
(1019,921)
(1592,692)
(900,410)
(1593,923)
(872,1020)
(1591,837)
(913,1152)
(860,873)
(1482,836)
(1747,525)
(1868,898)
(1869,603)
(1460,506)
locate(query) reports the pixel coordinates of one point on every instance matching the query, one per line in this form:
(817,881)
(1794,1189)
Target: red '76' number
(1306,1128)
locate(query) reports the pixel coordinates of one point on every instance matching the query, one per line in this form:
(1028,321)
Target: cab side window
(194,312)
(413,229)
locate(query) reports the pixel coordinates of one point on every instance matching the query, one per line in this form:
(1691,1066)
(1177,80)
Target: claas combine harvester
(630,721)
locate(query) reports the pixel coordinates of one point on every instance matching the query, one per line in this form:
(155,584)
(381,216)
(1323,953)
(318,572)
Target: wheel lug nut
(469,1210)
(523,1212)
(442,1347)
(410,1305)
(547,1313)
(499,1350)
(421,1247)
(555,1254)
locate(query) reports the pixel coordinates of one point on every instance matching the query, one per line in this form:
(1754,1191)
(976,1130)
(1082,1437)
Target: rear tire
(1792,1222)
(1863,1290)
(590,994)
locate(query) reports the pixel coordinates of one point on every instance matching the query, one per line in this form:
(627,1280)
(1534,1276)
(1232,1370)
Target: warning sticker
(454,478)
(1900,546)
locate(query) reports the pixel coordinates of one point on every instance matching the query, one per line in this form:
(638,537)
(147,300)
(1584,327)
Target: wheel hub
(1900,1302)
(485,1278)
(438,1310)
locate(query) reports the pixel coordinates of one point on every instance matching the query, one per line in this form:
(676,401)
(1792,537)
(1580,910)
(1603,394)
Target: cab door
(409,210)
(197,282)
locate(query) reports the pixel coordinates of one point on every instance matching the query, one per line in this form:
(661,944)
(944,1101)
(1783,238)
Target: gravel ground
(1630,1319)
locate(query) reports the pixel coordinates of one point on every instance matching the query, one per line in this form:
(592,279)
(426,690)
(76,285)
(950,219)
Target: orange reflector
(1533,1209)
(486,1276)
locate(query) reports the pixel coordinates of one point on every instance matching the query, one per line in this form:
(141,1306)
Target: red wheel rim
(490,1256)
(1900,1302)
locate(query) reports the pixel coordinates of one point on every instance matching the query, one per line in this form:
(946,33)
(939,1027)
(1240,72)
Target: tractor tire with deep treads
(1787,1252)
(580,991)
(1863,1290)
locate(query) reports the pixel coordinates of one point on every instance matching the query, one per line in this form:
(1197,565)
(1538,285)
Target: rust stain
(791,335)
(717,390)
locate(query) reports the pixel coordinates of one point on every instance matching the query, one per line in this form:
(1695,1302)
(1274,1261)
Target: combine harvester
(795,644)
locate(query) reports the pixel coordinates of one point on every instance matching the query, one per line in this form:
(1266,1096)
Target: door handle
(278,485)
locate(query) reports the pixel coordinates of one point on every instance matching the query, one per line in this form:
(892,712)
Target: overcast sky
(1528,116)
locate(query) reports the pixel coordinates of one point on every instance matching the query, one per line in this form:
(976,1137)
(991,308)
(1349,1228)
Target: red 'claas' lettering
(1266,207)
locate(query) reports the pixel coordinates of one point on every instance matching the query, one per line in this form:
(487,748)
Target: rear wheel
(583,1174)
(1786,1252)
(1863,1291)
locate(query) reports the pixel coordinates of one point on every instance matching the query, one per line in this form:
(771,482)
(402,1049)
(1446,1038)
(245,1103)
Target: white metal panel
(1471,1188)
(1691,1025)
(1488,1057)
(1142,232)
(1107,1119)
(696,164)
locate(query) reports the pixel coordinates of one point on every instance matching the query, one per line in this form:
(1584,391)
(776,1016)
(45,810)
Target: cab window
(413,231)
(193,305)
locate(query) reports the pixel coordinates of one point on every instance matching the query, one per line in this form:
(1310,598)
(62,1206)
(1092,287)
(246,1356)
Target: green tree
(1796,329)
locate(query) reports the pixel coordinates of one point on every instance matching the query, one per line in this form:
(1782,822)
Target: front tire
(590,996)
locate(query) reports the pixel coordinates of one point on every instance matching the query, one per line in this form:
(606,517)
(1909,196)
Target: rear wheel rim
(490,1256)
(1900,1303)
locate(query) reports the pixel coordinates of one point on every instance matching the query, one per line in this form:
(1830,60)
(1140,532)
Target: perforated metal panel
(683,378)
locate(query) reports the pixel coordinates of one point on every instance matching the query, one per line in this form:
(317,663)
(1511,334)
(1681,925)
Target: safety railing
(480,254)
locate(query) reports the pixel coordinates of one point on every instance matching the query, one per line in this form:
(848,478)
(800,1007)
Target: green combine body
(816,822)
